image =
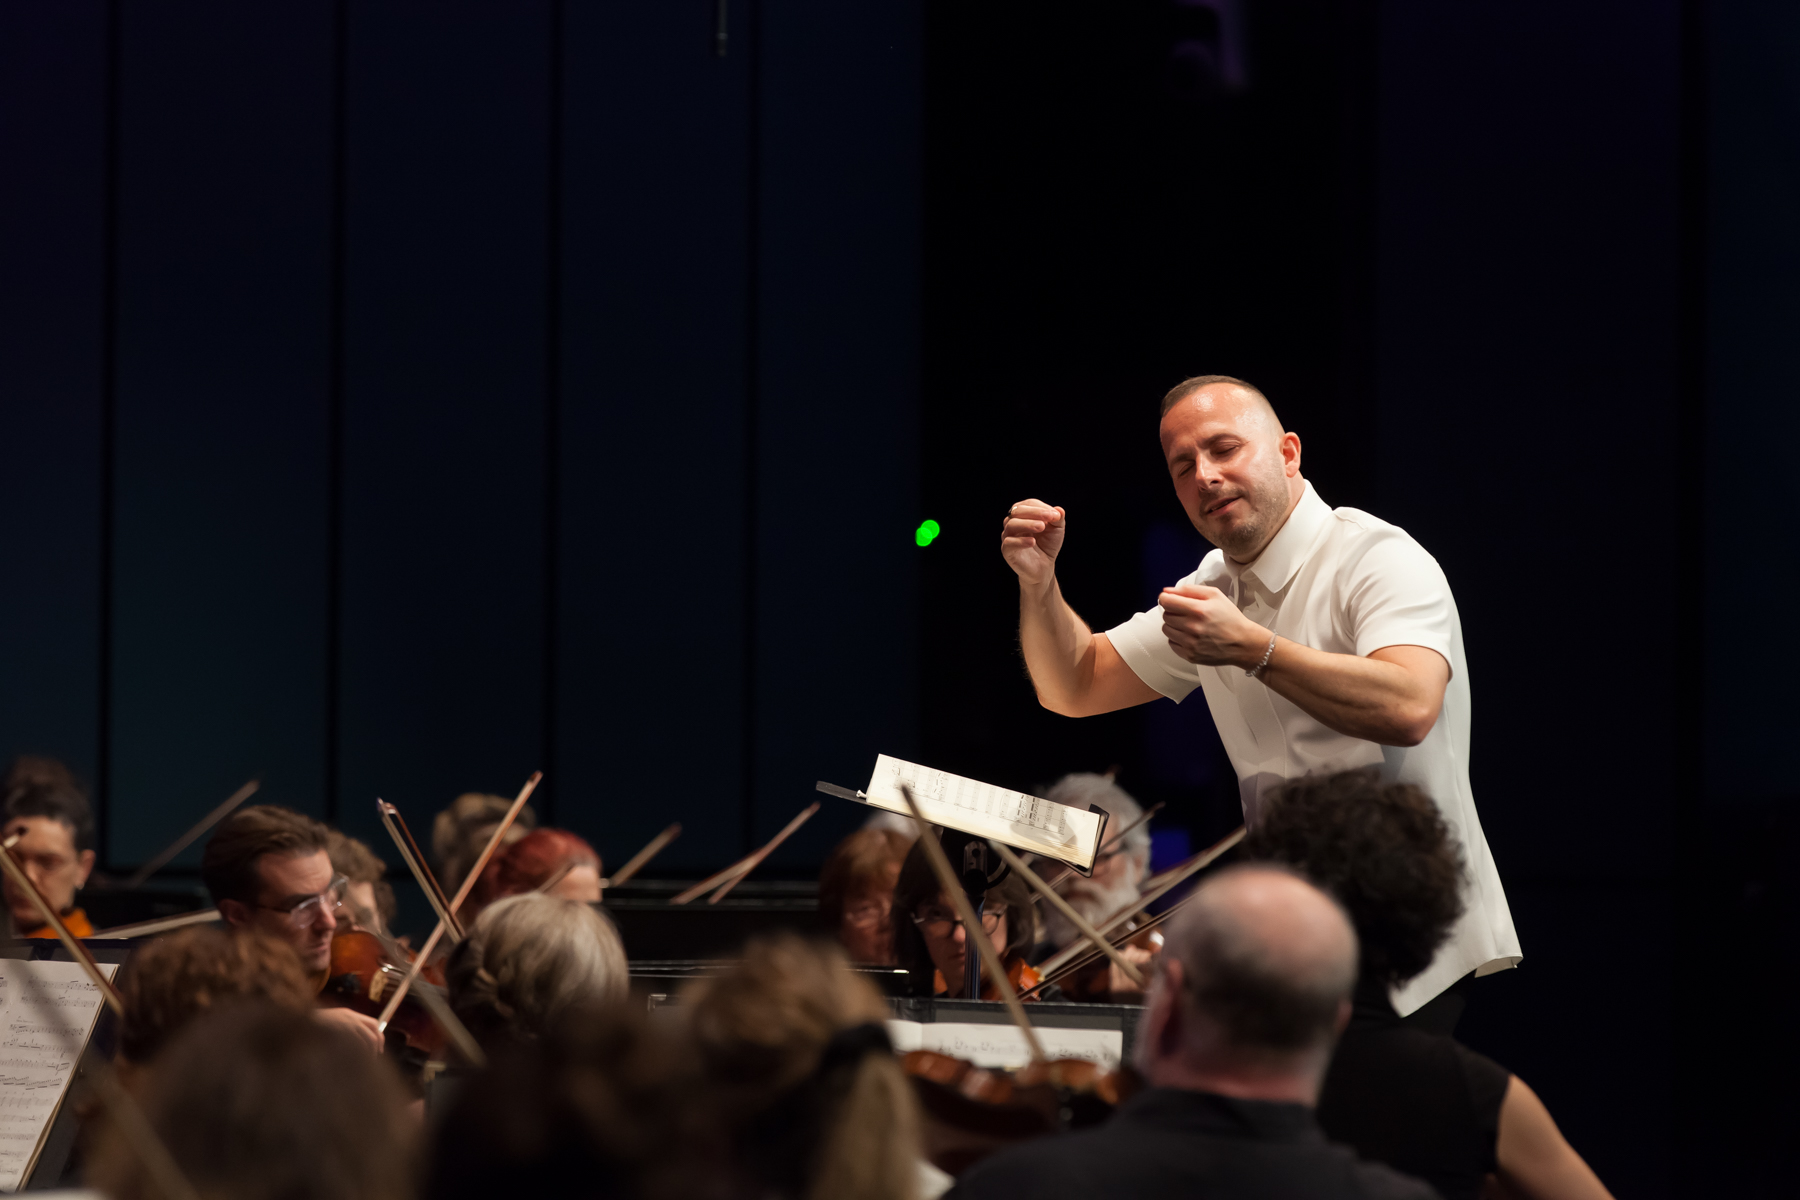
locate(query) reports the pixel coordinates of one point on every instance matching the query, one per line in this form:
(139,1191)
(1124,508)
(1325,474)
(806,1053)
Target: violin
(972,1111)
(362,976)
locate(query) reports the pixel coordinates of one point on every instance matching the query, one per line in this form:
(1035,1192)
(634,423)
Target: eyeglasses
(869,913)
(936,920)
(306,910)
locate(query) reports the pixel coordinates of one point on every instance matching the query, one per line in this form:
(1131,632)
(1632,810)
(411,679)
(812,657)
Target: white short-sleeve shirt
(1345,582)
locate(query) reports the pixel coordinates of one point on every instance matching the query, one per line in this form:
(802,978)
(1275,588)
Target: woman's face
(866,930)
(946,942)
(581,883)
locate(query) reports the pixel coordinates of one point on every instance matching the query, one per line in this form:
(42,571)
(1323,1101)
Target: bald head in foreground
(1252,989)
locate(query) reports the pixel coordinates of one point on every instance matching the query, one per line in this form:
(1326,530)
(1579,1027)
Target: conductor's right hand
(1030,539)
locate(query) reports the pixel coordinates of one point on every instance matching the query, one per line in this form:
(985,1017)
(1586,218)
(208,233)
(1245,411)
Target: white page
(1028,822)
(47,1012)
(907,1036)
(1003,1046)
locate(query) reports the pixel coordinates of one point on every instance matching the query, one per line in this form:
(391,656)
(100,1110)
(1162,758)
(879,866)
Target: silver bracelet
(1256,671)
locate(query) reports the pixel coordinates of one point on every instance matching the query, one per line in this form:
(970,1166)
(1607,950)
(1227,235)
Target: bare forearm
(1058,648)
(1367,698)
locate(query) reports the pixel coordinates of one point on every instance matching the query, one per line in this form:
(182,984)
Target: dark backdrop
(397,398)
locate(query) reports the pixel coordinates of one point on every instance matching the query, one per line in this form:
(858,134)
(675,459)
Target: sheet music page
(1027,822)
(47,1012)
(1003,1047)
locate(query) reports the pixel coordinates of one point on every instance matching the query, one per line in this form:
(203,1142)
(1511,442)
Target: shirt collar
(1290,546)
(1208,1112)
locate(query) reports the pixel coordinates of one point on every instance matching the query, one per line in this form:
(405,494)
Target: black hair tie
(851,1045)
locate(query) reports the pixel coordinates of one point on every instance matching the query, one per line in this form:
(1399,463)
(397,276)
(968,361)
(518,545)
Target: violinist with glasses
(930,942)
(269,871)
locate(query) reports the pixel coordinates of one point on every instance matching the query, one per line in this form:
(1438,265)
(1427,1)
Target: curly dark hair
(1382,849)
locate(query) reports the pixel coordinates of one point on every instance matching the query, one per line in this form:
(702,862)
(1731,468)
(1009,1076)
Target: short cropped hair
(229,864)
(1188,387)
(1382,849)
(183,974)
(1238,981)
(44,787)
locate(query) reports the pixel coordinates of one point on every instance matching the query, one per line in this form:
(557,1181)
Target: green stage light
(927,532)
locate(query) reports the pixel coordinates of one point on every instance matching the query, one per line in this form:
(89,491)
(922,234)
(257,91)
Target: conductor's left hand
(1205,627)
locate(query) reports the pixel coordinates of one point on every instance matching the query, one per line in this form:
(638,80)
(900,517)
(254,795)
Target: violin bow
(415,861)
(1170,879)
(1117,839)
(728,878)
(439,1008)
(755,860)
(52,918)
(637,861)
(562,873)
(1118,939)
(187,839)
(1067,910)
(124,1110)
(512,814)
(160,925)
(971,923)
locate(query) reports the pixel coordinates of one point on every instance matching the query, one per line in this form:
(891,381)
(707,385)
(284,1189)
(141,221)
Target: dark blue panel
(52,139)
(650,629)
(221,434)
(1528,301)
(1753,356)
(443,570)
(837,474)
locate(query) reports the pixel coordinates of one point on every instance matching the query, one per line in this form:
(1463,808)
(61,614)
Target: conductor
(1324,639)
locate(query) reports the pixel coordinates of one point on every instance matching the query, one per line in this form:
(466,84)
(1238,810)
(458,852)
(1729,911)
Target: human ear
(1290,453)
(84,866)
(235,913)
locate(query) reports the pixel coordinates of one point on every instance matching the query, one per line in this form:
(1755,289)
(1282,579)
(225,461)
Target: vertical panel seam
(334,415)
(552,405)
(109,381)
(752,404)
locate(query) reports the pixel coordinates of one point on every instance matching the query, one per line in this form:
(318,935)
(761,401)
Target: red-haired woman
(534,860)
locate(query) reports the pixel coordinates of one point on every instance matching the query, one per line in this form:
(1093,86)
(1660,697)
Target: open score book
(1058,831)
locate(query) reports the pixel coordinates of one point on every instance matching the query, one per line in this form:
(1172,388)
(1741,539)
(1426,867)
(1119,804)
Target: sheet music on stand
(1058,831)
(48,1011)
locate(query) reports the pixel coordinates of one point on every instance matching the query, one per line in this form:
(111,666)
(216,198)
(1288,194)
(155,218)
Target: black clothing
(1167,1142)
(1422,1103)
(1440,1013)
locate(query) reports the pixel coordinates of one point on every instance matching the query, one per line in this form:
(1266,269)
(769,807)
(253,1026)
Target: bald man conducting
(1250,993)
(1323,639)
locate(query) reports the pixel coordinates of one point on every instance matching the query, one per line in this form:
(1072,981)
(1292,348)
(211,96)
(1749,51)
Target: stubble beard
(1266,498)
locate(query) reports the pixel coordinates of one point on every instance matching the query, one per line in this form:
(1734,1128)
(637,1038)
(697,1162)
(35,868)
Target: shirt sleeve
(1395,594)
(1140,642)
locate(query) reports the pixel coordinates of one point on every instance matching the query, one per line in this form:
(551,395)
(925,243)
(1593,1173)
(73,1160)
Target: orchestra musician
(856,893)
(530,959)
(368,897)
(1113,888)
(795,1050)
(185,973)
(49,812)
(530,862)
(931,944)
(1420,1101)
(1323,639)
(269,871)
(460,833)
(1248,997)
(256,1102)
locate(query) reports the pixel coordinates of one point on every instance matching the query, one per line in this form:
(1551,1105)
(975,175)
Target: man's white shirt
(1342,581)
